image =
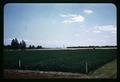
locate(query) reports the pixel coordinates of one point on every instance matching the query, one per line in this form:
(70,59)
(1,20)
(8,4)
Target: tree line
(15,44)
(90,46)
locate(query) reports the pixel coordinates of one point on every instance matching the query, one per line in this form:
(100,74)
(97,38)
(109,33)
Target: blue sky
(58,24)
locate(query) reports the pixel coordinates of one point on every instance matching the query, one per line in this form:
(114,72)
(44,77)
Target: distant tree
(93,48)
(38,47)
(22,44)
(15,44)
(7,46)
(33,47)
(30,47)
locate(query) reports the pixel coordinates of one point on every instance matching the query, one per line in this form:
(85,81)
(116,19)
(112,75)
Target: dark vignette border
(4,2)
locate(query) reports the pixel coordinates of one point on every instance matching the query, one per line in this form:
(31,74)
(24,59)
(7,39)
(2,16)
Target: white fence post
(19,63)
(86,67)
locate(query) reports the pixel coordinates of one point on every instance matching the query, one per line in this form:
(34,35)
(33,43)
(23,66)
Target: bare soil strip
(28,74)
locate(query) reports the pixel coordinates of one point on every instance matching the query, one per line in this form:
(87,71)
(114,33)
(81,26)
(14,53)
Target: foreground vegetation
(58,60)
(107,71)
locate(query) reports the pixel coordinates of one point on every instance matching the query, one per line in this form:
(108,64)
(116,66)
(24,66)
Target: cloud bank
(105,28)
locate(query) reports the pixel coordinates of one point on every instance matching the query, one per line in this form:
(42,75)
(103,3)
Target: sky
(61,24)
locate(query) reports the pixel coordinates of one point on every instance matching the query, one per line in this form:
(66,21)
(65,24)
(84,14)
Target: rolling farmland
(59,60)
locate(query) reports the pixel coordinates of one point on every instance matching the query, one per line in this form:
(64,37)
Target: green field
(59,60)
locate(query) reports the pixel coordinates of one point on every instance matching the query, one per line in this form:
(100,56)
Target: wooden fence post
(19,63)
(86,65)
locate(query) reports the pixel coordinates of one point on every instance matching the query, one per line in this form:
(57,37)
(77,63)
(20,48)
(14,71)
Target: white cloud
(106,28)
(87,11)
(72,18)
(78,18)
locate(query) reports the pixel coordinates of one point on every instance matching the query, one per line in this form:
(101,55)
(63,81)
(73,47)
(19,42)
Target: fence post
(19,63)
(86,65)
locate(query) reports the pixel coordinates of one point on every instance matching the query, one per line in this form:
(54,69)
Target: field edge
(107,71)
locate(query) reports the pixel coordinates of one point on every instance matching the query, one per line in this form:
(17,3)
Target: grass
(59,60)
(108,70)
